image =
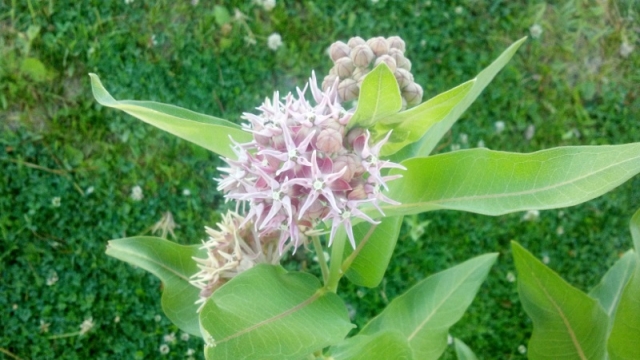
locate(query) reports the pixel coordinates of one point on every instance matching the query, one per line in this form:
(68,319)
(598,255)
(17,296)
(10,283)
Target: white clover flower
(464,138)
(86,326)
(511,277)
(458,10)
(274,41)
(186,192)
(128,2)
(157,318)
(52,278)
(89,190)
(169,338)
(499,126)
(136,193)
(55,202)
(522,349)
(44,326)
(164,349)
(535,30)
(481,144)
(184,337)
(449,339)
(530,132)
(268,5)
(545,258)
(190,352)
(455,147)
(625,49)
(531,215)
(560,230)
(116,319)
(304,168)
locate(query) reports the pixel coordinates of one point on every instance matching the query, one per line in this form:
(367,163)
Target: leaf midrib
(137,255)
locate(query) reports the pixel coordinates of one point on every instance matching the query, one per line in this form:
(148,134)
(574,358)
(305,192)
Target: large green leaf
(439,115)
(424,314)
(495,183)
(379,97)
(623,341)
(207,131)
(173,264)
(463,352)
(609,291)
(409,126)
(385,345)
(269,313)
(567,323)
(374,251)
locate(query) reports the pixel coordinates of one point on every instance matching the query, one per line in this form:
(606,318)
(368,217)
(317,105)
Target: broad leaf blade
(268,313)
(623,341)
(567,324)
(207,131)
(435,133)
(463,352)
(424,314)
(379,96)
(409,126)
(173,264)
(380,346)
(373,256)
(609,291)
(495,183)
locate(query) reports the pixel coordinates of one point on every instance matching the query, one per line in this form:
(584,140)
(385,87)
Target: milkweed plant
(333,168)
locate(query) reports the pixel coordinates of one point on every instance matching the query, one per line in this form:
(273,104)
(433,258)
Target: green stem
(335,271)
(323,262)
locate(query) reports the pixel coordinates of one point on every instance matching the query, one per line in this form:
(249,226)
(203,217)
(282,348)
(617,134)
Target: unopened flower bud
(348,90)
(413,94)
(401,61)
(329,141)
(359,73)
(329,81)
(355,41)
(352,135)
(403,77)
(362,55)
(378,45)
(317,210)
(344,67)
(348,162)
(358,193)
(395,42)
(339,50)
(391,63)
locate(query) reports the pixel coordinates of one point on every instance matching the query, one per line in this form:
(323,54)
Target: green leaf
(495,183)
(623,341)
(379,96)
(411,125)
(609,291)
(34,69)
(567,324)
(438,127)
(463,352)
(384,345)
(424,314)
(373,255)
(207,131)
(173,264)
(221,15)
(269,313)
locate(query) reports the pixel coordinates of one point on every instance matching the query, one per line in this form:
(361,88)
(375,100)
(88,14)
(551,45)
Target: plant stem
(323,262)
(335,268)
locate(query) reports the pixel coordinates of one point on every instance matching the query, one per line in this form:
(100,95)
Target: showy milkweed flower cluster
(303,167)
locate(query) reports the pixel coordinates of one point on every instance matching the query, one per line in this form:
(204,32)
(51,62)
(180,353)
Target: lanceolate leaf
(268,313)
(424,314)
(495,183)
(375,246)
(411,125)
(463,352)
(623,341)
(207,131)
(438,125)
(173,264)
(384,345)
(379,97)
(567,324)
(609,291)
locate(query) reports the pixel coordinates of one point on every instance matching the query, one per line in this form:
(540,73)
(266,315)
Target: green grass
(55,141)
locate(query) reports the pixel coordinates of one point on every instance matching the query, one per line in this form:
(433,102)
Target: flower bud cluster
(232,249)
(353,61)
(303,168)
